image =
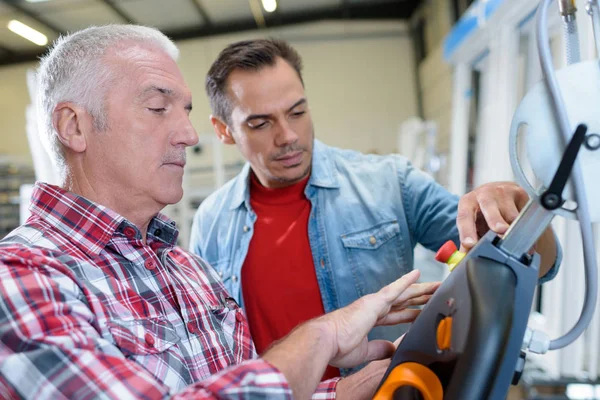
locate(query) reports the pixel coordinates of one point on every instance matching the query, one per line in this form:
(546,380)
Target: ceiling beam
(257,13)
(202,11)
(346,8)
(6,50)
(388,10)
(16,58)
(40,20)
(117,10)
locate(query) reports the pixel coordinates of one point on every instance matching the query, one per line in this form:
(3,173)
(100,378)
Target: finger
(521,197)
(465,220)
(417,290)
(379,349)
(399,340)
(508,209)
(491,212)
(415,301)
(372,307)
(373,350)
(399,317)
(391,292)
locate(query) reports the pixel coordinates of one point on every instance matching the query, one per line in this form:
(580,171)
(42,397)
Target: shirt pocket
(143,337)
(374,256)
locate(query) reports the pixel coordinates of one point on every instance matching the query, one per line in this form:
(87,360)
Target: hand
(340,338)
(350,325)
(362,384)
(491,206)
(495,206)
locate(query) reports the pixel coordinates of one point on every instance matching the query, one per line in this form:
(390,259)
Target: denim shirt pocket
(374,255)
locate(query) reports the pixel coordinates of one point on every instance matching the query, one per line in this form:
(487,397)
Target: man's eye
(259,126)
(157,110)
(298,113)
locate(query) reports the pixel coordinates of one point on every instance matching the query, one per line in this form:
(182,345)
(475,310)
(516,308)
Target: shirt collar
(90,225)
(324,171)
(323,174)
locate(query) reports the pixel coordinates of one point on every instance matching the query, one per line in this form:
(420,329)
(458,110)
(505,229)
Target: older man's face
(142,152)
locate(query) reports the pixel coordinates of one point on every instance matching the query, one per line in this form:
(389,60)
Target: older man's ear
(73,123)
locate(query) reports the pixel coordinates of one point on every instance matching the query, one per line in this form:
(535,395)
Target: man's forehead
(272,85)
(150,70)
(164,89)
(139,57)
(131,50)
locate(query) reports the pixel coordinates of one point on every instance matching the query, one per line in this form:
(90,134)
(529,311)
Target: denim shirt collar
(323,174)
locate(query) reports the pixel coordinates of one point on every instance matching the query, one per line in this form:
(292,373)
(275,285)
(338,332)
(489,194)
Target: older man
(97,301)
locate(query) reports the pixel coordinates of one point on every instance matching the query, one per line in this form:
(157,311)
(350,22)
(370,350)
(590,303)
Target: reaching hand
(350,325)
(491,206)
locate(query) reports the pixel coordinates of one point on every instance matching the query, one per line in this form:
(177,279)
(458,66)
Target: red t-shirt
(279,283)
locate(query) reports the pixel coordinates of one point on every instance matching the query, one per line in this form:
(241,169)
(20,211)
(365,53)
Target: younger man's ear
(222,130)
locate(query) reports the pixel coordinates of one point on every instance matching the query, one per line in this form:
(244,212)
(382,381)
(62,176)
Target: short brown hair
(248,55)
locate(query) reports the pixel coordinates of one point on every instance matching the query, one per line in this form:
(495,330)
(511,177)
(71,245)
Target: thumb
(379,349)
(399,340)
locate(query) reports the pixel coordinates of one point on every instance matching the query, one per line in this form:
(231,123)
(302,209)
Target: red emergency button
(150,265)
(149,339)
(446,251)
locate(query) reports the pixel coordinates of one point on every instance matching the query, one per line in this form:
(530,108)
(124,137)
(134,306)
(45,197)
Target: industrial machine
(471,340)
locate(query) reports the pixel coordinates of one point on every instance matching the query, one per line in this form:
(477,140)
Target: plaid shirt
(87,310)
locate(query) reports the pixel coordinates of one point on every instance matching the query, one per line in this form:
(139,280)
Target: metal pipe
(527,228)
(567,9)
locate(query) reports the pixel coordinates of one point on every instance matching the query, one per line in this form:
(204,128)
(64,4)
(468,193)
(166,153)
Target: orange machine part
(444,333)
(411,374)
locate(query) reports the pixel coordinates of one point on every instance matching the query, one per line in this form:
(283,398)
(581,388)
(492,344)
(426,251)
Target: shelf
(12,176)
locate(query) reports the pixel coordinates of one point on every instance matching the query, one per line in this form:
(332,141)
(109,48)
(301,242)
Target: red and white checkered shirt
(89,311)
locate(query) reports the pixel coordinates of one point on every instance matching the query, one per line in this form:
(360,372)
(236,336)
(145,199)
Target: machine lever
(552,199)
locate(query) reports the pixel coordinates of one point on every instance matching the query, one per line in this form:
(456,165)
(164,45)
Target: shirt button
(239,317)
(149,339)
(191,327)
(322,263)
(155,246)
(234,278)
(220,274)
(246,228)
(372,240)
(129,232)
(150,265)
(157,232)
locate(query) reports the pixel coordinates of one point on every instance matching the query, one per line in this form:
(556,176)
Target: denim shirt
(368,212)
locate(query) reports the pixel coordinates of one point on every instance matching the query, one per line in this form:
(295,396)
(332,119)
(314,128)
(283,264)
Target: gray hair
(73,70)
